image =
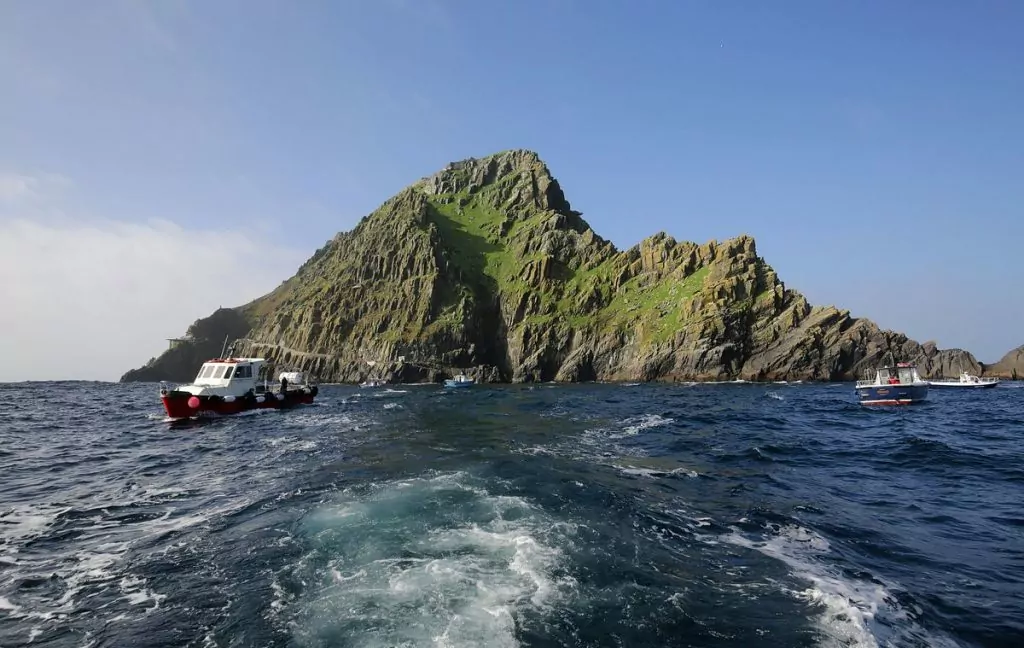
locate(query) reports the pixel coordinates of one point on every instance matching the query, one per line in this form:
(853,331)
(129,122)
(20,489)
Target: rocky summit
(485,268)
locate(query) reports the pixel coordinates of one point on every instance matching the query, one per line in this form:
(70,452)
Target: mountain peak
(485,265)
(518,179)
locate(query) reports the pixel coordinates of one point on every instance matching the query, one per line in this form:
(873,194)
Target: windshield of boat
(216,371)
(906,375)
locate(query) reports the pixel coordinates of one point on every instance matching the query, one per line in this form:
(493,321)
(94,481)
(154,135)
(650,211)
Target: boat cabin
(296,378)
(238,373)
(903,373)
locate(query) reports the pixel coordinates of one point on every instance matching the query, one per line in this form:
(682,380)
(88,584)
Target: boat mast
(225,347)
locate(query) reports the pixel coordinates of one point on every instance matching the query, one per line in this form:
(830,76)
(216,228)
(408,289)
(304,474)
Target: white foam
(852,612)
(638,424)
(407,573)
(325,419)
(600,443)
(24,522)
(137,593)
(536,450)
(653,473)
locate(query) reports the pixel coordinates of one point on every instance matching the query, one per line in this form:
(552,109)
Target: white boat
(372,383)
(966,381)
(893,385)
(459,381)
(231,385)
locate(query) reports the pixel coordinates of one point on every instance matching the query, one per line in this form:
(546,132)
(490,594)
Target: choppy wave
(592,515)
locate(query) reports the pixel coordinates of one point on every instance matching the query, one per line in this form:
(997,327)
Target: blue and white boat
(459,381)
(899,385)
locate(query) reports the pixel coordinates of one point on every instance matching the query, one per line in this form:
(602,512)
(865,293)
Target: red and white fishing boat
(233,385)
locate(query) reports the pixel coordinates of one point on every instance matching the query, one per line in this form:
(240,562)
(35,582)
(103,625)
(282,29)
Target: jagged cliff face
(1010,367)
(485,267)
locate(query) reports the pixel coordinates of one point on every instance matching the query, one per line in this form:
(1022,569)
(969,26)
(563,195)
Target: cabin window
(906,376)
(227,374)
(217,375)
(243,371)
(207,371)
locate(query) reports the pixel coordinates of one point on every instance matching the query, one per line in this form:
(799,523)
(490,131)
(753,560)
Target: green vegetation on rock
(484,266)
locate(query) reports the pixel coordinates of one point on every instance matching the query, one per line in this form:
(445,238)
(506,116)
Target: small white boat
(966,381)
(372,383)
(459,381)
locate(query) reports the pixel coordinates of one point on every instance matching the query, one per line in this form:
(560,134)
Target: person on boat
(284,385)
(893,380)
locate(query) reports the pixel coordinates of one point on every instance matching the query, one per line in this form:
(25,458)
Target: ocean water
(583,515)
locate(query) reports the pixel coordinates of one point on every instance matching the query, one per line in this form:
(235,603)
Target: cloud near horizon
(91,299)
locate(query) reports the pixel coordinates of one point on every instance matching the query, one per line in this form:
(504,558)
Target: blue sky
(875,150)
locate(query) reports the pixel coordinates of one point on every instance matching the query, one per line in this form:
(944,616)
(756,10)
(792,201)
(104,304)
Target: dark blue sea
(586,515)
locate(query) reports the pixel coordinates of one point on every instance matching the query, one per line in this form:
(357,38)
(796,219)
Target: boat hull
(182,404)
(455,384)
(892,394)
(960,385)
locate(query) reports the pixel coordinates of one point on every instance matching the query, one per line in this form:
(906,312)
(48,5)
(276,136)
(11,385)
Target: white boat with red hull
(233,385)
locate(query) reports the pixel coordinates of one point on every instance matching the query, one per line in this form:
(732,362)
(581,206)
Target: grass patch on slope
(656,306)
(474,239)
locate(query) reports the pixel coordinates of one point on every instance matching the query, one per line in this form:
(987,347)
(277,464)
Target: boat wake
(436,560)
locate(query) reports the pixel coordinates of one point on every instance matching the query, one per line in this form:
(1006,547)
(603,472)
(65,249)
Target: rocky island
(484,267)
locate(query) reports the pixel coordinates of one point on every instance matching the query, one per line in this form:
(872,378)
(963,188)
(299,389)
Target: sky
(158,160)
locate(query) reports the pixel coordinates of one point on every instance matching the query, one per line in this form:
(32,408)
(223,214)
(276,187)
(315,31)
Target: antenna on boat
(225,347)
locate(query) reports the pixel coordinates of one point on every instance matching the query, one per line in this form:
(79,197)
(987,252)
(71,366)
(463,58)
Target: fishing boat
(371,383)
(232,385)
(893,385)
(966,381)
(459,381)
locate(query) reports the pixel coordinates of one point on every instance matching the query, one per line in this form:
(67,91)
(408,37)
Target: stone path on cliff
(245,342)
(279,347)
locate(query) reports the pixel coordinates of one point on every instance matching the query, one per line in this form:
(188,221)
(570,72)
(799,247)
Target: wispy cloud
(95,297)
(15,186)
(20,187)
